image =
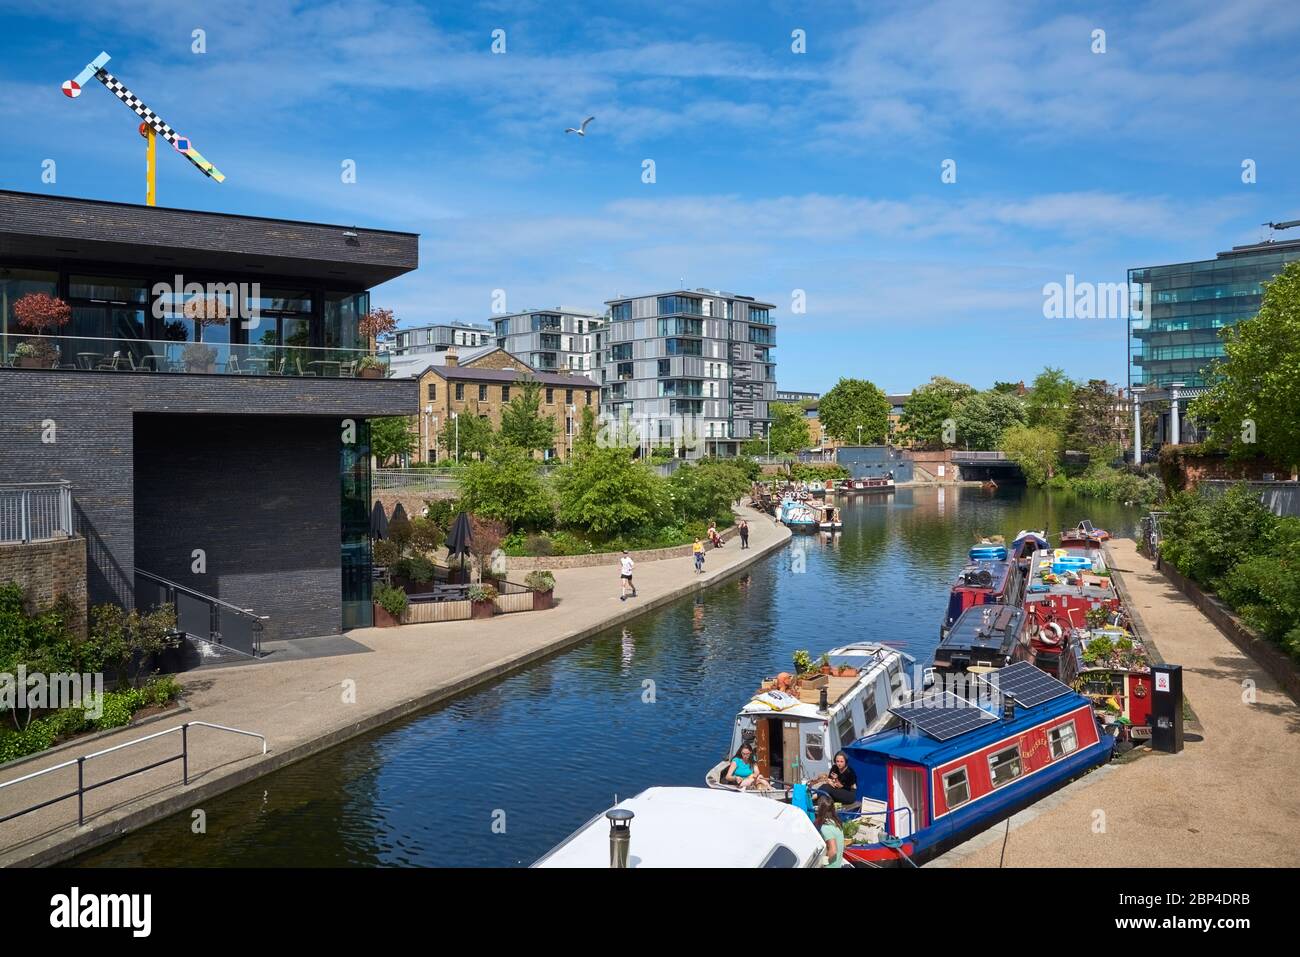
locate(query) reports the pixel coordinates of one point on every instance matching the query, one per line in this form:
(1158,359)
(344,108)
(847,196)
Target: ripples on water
(540,752)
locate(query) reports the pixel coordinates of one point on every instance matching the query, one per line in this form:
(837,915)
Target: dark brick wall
(260,497)
(94,415)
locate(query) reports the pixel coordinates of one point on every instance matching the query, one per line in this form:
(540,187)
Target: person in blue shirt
(742,772)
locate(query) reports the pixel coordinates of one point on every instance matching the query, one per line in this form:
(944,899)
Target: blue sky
(775,171)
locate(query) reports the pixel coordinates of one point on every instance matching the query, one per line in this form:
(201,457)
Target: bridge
(960,457)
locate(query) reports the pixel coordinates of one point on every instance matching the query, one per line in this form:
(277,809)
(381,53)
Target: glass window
(433,391)
(621,310)
(813,749)
(1062,741)
(588,397)
(568,397)
(505,393)
(1004,767)
(550,395)
(460,390)
(343,311)
(782,856)
(621,352)
(956,789)
(482,393)
(844,727)
(105,289)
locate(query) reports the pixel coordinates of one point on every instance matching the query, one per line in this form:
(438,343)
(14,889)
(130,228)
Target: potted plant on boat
(43,314)
(375,323)
(390,606)
(542,584)
(482,601)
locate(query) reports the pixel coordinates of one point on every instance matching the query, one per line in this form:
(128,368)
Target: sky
(813,176)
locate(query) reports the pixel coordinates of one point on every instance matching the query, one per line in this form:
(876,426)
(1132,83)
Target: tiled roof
(473,374)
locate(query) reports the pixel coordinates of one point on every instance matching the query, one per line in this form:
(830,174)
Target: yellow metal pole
(151,155)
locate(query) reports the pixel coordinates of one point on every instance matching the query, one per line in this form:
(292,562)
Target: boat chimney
(1008,707)
(823,703)
(620,835)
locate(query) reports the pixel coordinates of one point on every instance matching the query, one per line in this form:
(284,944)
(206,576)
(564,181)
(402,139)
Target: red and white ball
(71,88)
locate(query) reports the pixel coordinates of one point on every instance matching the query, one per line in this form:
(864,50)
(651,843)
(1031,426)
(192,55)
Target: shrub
(118,708)
(393,601)
(540,580)
(482,592)
(538,545)
(817,472)
(387,553)
(419,569)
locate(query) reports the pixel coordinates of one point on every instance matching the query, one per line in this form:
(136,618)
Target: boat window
(868,708)
(781,856)
(1004,767)
(1061,740)
(956,789)
(813,749)
(844,726)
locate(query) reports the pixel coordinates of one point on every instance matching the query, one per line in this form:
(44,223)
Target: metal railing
(211,358)
(414,480)
(202,616)
(38,512)
(83,788)
(1280,498)
(979,456)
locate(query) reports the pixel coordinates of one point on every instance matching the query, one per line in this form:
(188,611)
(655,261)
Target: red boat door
(906,799)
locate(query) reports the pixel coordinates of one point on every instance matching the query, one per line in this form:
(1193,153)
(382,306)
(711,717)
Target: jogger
(625,566)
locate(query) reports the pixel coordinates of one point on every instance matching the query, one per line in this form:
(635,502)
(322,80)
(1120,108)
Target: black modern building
(205,402)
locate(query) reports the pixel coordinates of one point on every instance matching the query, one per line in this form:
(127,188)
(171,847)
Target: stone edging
(1272,659)
(72,841)
(529,563)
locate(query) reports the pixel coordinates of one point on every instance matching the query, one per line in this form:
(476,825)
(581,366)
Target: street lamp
(456,417)
(1135,393)
(859,435)
(424,452)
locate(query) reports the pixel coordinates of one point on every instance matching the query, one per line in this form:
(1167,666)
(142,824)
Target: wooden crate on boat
(810,693)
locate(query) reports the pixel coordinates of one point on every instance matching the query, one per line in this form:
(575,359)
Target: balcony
(40,512)
(80,354)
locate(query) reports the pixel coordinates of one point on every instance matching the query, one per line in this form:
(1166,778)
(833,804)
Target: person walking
(744,533)
(625,566)
(698,552)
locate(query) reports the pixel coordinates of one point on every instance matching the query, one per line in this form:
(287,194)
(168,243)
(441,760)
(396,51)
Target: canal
(499,775)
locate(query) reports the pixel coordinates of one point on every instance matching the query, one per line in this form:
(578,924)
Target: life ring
(1048,640)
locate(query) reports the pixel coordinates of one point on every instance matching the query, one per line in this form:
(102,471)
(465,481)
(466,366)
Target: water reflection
(498,776)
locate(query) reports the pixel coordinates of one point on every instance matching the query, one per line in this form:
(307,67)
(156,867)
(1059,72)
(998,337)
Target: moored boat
(862,486)
(692,827)
(1028,542)
(981,583)
(1085,533)
(796,724)
(1110,666)
(1061,587)
(799,516)
(954,768)
(983,638)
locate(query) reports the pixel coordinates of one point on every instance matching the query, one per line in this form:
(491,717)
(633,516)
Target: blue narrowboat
(954,768)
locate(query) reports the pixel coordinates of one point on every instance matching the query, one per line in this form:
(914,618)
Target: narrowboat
(955,768)
(983,637)
(1084,534)
(981,583)
(799,516)
(863,486)
(829,519)
(1027,542)
(692,827)
(795,725)
(1061,587)
(1111,667)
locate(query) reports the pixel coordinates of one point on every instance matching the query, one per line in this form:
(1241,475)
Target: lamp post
(456,418)
(424,452)
(1135,393)
(859,435)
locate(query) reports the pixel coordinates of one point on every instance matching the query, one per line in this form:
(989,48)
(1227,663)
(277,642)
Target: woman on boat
(741,771)
(828,823)
(840,783)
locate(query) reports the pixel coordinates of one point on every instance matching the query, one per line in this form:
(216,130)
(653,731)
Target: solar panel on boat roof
(944,717)
(1028,684)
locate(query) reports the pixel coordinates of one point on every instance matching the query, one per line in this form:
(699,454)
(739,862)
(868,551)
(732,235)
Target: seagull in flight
(581,131)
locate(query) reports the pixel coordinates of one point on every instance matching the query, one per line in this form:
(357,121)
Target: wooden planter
(482,609)
(383,619)
(543,600)
(369,373)
(32,362)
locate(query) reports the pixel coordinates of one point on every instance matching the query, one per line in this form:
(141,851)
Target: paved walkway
(302,708)
(1230,799)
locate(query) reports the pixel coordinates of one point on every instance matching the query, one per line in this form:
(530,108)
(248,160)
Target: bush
(482,592)
(540,580)
(118,708)
(817,472)
(387,553)
(393,601)
(538,545)
(419,569)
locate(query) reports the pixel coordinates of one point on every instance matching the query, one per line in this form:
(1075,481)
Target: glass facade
(622,310)
(1174,335)
(354,474)
(673,305)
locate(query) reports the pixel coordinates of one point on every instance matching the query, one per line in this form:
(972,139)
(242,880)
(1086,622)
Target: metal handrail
(49,520)
(80,762)
(198,594)
(214,605)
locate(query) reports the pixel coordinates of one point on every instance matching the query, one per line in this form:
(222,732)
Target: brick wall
(46,570)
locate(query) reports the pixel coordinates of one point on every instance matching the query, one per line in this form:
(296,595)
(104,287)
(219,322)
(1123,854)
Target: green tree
(1048,402)
(606,492)
(1090,424)
(507,486)
(522,422)
(1011,388)
(391,438)
(1253,403)
(853,403)
(1035,449)
(472,433)
(707,490)
(984,417)
(585,440)
(789,429)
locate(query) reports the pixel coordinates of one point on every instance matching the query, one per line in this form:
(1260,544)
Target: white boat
(692,827)
(795,734)
(798,515)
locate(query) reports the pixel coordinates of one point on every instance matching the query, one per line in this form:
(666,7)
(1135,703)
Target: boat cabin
(981,583)
(1061,587)
(1111,667)
(954,768)
(982,638)
(796,730)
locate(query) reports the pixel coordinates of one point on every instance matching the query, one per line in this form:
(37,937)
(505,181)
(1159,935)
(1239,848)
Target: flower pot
(370,373)
(482,609)
(543,600)
(383,619)
(33,362)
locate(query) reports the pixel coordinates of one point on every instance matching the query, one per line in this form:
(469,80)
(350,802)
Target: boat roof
(1042,561)
(868,657)
(909,744)
(997,568)
(693,827)
(985,626)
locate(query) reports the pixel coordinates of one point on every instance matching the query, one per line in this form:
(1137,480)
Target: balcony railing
(165,356)
(35,513)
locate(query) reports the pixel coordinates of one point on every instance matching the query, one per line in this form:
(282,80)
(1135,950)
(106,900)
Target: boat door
(906,799)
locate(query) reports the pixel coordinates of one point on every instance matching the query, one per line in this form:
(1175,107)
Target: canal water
(499,775)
